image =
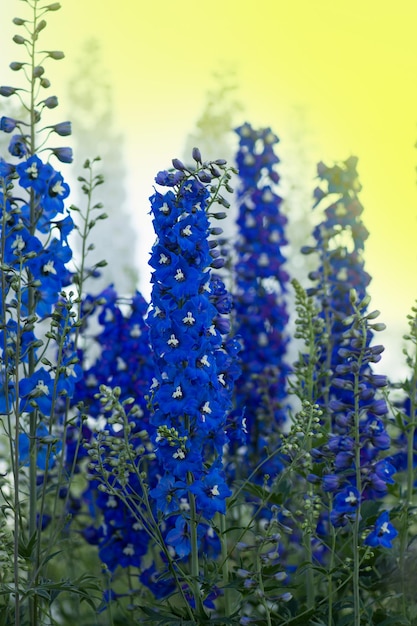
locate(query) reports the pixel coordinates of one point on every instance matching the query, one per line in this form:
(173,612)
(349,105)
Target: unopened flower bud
(196,154)
(63,129)
(38,71)
(7,124)
(51,102)
(57,55)
(178,165)
(15,66)
(41,25)
(63,154)
(6,91)
(19,39)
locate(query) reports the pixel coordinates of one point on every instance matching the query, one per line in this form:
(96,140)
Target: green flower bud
(19,39)
(57,55)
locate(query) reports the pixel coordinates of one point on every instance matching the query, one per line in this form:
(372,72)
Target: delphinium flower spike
(193,359)
(340,240)
(260,310)
(37,314)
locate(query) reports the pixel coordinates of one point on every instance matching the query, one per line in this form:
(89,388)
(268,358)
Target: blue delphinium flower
(383,533)
(123,359)
(353,451)
(340,240)
(260,312)
(191,390)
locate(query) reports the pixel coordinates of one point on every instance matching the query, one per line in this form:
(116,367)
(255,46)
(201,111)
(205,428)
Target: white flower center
(351,499)
(249,159)
(189,319)
(136,331)
(58,188)
(179,275)
(129,550)
(18,243)
(267,195)
(49,268)
(32,171)
(177,393)
(40,386)
(173,341)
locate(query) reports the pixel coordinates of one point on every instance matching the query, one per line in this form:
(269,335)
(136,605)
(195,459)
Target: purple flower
(18,146)
(63,154)
(8,124)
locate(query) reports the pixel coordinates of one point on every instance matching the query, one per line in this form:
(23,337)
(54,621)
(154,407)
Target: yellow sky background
(350,67)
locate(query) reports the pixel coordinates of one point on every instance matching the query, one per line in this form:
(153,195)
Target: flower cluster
(360,435)
(340,239)
(191,393)
(260,310)
(121,360)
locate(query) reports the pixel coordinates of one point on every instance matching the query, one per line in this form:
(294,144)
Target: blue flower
(34,174)
(260,313)
(53,199)
(179,537)
(37,389)
(18,146)
(345,506)
(211,492)
(191,393)
(383,533)
(157,581)
(168,493)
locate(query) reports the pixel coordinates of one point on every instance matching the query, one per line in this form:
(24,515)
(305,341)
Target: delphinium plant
(166,434)
(39,364)
(346,469)
(404,459)
(157,468)
(260,285)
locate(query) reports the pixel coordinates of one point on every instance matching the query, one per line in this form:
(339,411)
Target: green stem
(195,565)
(358,478)
(33,575)
(330,589)
(411,429)
(225,564)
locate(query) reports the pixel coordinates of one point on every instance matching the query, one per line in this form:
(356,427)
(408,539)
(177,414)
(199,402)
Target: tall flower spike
(192,387)
(340,241)
(259,302)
